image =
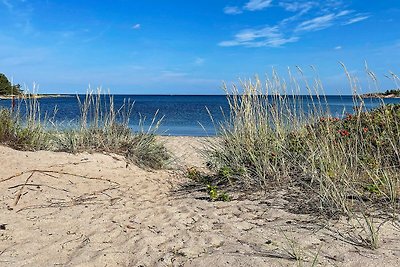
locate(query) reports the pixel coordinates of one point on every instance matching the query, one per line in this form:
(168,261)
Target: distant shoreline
(379,95)
(32,96)
(39,96)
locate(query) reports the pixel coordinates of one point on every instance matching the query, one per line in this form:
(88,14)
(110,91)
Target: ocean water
(183,114)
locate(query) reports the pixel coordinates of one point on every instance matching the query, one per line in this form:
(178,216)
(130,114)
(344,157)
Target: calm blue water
(183,115)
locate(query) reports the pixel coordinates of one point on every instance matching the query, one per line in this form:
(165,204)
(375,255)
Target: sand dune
(95,210)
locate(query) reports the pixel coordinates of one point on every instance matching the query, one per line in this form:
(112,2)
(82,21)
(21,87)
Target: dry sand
(94,210)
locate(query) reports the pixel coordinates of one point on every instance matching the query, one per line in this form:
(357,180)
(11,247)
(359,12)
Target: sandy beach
(200,133)
(60,209)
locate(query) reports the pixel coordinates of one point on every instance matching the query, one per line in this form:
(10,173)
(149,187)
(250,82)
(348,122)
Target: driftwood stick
(22,188)
(49,172)
(38,185)
(76,175)
(13,176)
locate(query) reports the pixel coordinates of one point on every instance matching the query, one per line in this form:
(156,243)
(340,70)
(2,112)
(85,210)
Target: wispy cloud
(338,47)
(296,6)
(136,26)
(321,22)
(264,37)
(316,24)
(327,14)
(356,19)
(254,5)
(232,10)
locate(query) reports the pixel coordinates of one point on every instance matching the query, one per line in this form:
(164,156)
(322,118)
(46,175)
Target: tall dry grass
(22,126)
(272,135)
(101,128)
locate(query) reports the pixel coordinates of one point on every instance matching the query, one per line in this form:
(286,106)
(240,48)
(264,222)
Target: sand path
(94,210)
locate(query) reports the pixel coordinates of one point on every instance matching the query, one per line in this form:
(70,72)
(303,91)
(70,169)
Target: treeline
(6,88)
(392,92)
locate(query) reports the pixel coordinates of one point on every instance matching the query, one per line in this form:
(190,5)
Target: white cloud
(303,7)
(253,5)
(326,13)
(232,10)
(356,19)
(321,22)
(136,26)
(316,24)
(344,13)
(338,47)
(264,37)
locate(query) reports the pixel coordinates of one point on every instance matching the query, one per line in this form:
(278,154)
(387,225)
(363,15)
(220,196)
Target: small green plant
(212,192)
(216,195)
(225,172)
(223,196)
(372,188)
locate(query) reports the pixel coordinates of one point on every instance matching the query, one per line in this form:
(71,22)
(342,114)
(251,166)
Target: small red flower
(349,117)
(344,132)
(365,129)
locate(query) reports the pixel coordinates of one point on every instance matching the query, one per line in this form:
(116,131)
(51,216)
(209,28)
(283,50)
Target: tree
(395,92)
(17,89)
(5,85)
(6,88)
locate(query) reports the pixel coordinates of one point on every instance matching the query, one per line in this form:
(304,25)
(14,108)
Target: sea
(182,115)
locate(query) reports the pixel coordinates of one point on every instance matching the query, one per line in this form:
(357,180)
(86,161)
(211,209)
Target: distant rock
(388,94)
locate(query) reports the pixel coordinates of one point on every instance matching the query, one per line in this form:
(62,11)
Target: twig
(72,240)
(70,163)
(38,185)
(13,176)
(22,188)
(48,172)
(80,200)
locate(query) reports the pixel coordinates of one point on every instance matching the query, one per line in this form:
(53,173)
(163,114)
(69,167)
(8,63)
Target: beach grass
(340,164)
(101,128)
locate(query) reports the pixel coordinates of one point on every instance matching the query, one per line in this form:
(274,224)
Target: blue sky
(190,47)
